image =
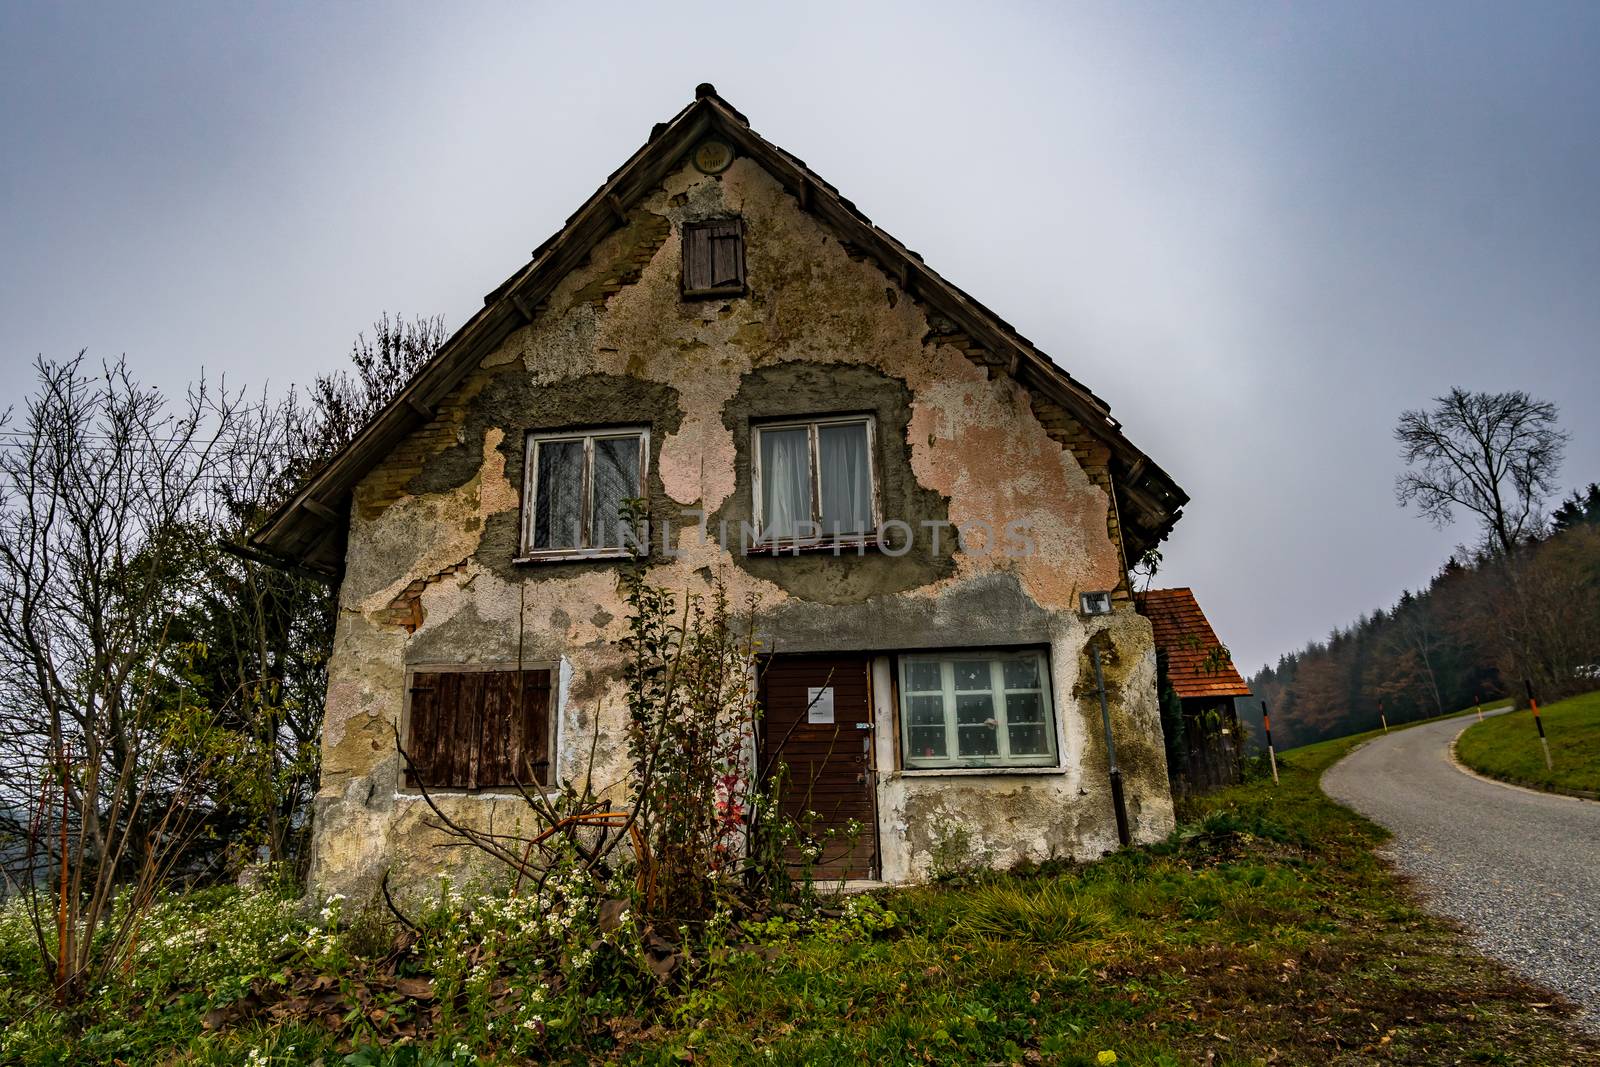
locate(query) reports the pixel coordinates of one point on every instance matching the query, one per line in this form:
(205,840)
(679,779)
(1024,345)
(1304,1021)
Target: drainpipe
(1118,802)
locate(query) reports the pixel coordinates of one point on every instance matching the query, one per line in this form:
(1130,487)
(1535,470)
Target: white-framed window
(976,709)
(815,480)
(574,483)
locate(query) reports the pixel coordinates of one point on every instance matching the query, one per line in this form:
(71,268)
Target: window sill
(411,793)
(577,555)
(707,294)
(857,546)
(969,772)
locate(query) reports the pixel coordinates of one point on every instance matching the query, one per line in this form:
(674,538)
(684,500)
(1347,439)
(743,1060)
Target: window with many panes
(976,709)
(815,481)
(574,487)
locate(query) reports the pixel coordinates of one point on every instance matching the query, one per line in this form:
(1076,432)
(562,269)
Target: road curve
(1520,869)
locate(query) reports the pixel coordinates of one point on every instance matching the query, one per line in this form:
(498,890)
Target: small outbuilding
(1199,688)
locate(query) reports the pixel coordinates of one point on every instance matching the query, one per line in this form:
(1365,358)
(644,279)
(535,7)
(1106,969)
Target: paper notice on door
(819,705)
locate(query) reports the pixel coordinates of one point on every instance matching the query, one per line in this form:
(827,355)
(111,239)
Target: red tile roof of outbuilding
(1184,635)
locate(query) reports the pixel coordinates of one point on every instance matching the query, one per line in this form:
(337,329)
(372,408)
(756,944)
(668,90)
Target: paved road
(1520,869)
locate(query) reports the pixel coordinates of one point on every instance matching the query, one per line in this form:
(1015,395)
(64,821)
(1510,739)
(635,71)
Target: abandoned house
(934,517)
(1196,672)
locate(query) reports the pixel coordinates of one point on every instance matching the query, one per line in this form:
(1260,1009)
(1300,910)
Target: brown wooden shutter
(713,257)
(696,258)
(727,254)
(422,737)
(479,729)
(515,744)
(465,738)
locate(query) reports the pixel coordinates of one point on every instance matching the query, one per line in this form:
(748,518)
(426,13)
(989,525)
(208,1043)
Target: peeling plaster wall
(430,576)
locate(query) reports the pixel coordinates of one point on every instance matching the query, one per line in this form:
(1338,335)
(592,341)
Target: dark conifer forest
(1485,627)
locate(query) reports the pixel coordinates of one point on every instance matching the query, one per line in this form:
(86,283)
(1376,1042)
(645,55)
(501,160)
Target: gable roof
(309,529)
(1184,635)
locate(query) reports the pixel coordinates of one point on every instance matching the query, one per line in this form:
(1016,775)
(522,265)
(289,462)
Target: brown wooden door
(829,762)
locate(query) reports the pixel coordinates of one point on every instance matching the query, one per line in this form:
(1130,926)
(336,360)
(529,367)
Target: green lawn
(1264,931)
(1507,747)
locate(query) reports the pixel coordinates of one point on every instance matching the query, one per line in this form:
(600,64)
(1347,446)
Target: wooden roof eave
(324,500)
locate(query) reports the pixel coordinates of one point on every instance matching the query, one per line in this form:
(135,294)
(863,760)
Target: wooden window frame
(552,724)
(1002,762)
(811,424)
(698,226)
(526,553)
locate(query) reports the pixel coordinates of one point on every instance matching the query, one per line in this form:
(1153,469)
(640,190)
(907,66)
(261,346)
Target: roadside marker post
(1382,717)
(1543,741)
(1266,727)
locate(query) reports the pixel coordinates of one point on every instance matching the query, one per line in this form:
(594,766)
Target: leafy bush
(195,952)
(861,919)
(692,716)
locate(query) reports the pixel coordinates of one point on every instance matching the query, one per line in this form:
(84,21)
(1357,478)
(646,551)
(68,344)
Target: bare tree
(1495,454)
(342,403)
(1545,607)
(267,631)
(103,747)
(271,627)
(160,697)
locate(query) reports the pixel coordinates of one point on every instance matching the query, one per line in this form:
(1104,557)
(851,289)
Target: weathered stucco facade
(430,575)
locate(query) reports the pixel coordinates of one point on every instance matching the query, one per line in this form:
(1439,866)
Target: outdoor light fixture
(1095,603)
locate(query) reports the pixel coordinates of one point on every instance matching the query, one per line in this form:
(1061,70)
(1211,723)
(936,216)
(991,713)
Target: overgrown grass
(1265,930)
(1507,747)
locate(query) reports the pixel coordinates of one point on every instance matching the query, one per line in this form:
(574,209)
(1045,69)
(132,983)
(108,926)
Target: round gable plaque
(712,157)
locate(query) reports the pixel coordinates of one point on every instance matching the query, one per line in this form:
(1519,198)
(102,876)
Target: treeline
(1487,622)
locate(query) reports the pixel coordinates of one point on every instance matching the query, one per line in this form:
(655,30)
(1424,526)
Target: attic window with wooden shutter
(478,729)
(713,258)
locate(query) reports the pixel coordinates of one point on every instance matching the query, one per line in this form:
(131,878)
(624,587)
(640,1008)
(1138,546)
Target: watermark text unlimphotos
(891,537)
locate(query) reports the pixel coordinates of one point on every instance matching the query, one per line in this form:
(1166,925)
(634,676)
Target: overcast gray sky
(1258,230)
